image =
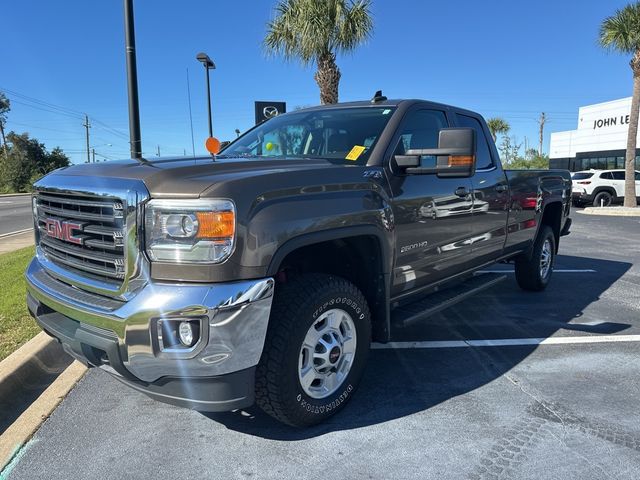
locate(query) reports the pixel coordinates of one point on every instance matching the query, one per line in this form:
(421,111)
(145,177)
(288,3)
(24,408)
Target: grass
(16,325)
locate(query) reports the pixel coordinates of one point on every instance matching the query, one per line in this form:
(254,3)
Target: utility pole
(87,126)
(132,81)
(542,120)
(93,153)
(158,150)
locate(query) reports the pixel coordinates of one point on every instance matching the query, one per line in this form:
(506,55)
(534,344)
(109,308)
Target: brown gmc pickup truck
(263,274)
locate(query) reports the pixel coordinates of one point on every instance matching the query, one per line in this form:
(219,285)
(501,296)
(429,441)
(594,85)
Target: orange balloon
(213,145)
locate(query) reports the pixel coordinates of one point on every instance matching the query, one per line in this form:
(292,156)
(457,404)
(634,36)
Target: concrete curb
(19,433)
(611,211)
(26,373)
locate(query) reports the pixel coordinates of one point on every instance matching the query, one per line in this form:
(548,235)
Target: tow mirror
(455,155)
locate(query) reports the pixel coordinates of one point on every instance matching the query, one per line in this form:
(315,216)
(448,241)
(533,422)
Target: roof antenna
(378,97)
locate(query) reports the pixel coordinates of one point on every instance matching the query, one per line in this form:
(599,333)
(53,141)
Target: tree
(509,150)
(315,31)
(5,106)
(621,33)
(25,160)
(498,125)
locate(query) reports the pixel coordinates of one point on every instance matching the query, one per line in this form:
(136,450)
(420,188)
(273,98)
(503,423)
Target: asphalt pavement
(15,213)
(566,410)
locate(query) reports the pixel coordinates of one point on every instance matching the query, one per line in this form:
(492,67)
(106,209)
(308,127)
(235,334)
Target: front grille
(83,233)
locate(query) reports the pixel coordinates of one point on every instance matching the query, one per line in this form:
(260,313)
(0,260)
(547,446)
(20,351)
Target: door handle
(501,188)
(462,191)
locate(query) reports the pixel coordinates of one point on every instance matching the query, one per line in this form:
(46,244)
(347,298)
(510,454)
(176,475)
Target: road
(15,213)
(567,410)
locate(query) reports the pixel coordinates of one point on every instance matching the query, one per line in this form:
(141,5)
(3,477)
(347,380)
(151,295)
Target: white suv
(599,187)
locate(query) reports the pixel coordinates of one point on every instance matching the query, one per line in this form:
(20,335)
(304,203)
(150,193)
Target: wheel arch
(360,254)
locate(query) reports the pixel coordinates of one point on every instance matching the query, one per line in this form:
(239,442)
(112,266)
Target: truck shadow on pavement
(403,382)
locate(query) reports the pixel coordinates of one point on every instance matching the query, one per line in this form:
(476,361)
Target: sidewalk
(16,242)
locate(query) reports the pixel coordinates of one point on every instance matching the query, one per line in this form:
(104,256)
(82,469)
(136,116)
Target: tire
(322,311)
(602,198)
(531,274)
(577,203)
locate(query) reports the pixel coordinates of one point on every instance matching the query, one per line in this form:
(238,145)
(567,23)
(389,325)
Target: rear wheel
(315,351)
(533,273)
(602,199)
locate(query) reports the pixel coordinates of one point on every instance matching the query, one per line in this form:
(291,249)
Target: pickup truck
(262,274)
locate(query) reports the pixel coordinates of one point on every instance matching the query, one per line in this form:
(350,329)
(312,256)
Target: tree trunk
(328,78)
(629,182)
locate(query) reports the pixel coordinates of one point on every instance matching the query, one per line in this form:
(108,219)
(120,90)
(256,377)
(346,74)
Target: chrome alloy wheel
(327,353)
(546,257)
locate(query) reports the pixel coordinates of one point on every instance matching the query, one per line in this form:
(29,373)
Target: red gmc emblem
(63,230)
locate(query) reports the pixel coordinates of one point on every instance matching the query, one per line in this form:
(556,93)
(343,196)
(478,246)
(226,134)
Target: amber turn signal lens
(460,160)
(216,224)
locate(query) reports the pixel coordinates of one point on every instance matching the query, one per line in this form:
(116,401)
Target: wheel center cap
(334,354)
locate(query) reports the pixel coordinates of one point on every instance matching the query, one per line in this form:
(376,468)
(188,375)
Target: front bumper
(123,337)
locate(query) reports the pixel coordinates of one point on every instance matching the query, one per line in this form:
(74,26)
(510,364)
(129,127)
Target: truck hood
(190,177)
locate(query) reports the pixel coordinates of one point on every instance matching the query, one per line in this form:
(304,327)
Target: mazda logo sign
(270,111)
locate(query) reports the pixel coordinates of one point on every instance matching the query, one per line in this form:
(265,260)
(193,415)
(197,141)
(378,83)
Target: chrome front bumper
(233,319)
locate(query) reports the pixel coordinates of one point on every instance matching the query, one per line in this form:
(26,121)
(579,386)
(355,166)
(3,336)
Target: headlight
(190,231)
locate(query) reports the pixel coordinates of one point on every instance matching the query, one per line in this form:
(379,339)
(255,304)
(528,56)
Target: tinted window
(618,175)
(420,131)
(483,154)
(581,175)
(606,176)
(637,176)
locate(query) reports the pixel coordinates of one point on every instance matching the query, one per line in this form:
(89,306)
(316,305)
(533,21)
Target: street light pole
(208,65)
(132,81)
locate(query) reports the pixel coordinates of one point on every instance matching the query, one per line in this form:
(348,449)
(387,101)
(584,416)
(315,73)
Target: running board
(438,301)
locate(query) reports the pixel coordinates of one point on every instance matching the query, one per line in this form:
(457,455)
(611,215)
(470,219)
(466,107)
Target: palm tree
(621,32)
(315,31)
(497,126)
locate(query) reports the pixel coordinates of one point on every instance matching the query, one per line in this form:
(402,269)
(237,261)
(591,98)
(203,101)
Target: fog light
(185,331)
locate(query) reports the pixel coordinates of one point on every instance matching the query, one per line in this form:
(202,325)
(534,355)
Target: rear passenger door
(490,195)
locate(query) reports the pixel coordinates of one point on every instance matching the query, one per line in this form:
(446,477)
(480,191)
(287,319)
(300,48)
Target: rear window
(582,175)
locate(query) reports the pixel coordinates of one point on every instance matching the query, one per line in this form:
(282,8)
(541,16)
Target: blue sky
(499,57)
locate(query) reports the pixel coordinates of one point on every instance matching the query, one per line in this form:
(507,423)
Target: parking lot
(567,408)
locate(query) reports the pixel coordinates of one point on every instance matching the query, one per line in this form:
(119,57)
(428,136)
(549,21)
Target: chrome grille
(83,233)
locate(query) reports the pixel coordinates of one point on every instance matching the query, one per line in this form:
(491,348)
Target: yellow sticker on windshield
(355,152)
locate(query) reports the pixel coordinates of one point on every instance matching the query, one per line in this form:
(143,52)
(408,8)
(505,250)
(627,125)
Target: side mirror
(455,155)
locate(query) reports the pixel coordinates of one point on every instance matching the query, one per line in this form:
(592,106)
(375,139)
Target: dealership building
(599,142)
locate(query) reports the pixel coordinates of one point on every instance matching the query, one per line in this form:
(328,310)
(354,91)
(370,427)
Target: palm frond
(621,31)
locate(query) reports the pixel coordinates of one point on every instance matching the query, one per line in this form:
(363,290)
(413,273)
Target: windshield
(582,175)
(340,135)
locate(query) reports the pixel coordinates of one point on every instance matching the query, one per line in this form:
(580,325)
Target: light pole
(208,65)
(132,81)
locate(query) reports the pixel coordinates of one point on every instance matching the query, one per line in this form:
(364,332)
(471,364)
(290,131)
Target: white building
(600,141)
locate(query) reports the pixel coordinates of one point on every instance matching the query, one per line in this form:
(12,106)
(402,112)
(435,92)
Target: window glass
(420,131)
(602,163)
(637,167)
(593,163)
(611,162)
(340,135)
(637,176)
(606,176)
(483,155)
(581,175)
(585,163)
(618,175)
(619,162)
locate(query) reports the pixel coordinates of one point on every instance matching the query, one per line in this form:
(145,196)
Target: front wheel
(315,351)
(534,272)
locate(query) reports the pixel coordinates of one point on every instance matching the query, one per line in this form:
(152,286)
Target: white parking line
(559,270)
(506,342)
(17,232)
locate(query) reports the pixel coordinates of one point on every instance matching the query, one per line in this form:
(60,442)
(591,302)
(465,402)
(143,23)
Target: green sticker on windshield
(355,152)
